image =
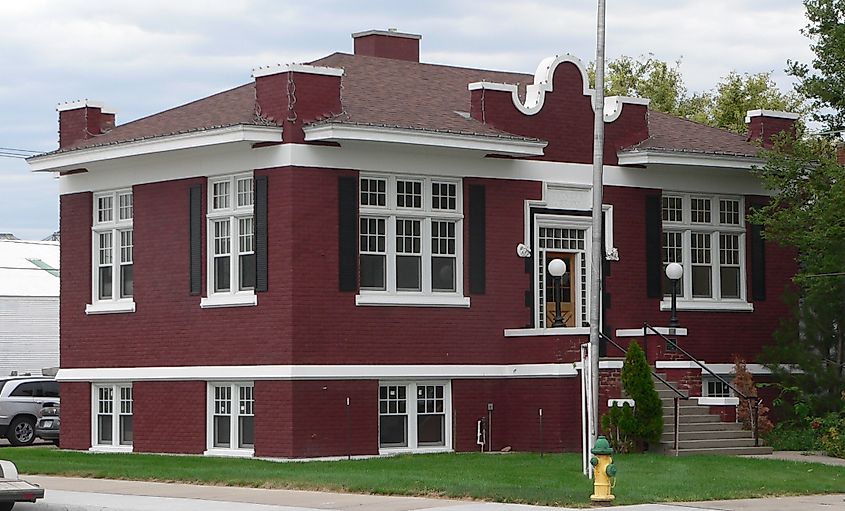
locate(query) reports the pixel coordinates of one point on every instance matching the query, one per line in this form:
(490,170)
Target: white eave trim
(215,136)
(655,157)
(315,372)
(504,146)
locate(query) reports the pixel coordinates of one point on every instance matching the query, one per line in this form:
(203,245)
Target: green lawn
(515,477)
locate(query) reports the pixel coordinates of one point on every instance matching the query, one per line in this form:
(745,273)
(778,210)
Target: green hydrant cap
(602,447)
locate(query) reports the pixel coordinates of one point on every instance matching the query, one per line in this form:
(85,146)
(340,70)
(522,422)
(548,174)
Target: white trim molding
(779,114)
(409,300)
(336,132)
(230,134)
(678,364)
(638,332)
(708,305)
(535,94)
(603,364)
(296,68)
(729,368)
(540,332)
(717,401)
(683,158)
(315,372)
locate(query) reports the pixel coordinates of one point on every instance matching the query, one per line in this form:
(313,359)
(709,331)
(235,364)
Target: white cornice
(535,93)
(316,372)
(485,144)
(296,68)
(658,157)
(230,134)
(770,113)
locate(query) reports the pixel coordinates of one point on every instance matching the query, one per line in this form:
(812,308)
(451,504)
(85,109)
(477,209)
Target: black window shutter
(758,263)
(477,240)
(347,191)
(653,260)
(195,238)
(261,283)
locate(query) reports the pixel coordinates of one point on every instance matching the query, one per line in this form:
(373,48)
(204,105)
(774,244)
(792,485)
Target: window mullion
(686,292)
(716,266)
(115,415)
(425,254)
(391,254)
(115,263)
(411,408)
(234,249)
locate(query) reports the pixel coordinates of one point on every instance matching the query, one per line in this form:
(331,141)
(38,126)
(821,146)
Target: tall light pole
(597,247)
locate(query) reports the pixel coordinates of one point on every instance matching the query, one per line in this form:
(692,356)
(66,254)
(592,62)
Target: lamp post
(674,271)
(557,268)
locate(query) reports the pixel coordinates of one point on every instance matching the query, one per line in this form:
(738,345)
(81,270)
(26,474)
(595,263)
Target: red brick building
(324,260)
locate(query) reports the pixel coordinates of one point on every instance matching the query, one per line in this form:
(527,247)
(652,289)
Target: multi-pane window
(232,414)
(716,388)
(410,235)
(414,415)
(706,236)
(113,239)
(113,418)
(231,228)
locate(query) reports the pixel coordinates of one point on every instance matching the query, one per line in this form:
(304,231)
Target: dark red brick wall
(274,418)
(76,415)
(516,405)
(316,97)
(389,47)
(321,424)
(713,336)
(168,417)
(81,124)
(565,121)
(169,327)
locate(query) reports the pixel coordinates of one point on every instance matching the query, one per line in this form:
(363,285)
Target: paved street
(74,494)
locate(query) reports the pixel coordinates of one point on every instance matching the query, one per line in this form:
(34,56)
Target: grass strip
(554,479)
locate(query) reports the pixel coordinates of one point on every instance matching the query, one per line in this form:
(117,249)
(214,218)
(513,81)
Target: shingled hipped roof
(411,95)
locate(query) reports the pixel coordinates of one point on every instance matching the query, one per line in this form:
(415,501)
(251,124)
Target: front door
(567,298)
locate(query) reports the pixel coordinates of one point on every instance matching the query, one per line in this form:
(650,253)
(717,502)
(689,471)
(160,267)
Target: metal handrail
(749,399)
(623,350)
(676,420)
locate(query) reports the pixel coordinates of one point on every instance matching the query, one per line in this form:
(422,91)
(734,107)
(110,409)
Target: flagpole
(597,252)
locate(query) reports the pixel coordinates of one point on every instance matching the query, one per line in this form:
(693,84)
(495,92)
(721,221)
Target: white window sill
(111,448)
(246,299)
(536,332)
(708,305)
(620,402)
(116,307)
(411,300)
(408,450)
(638,332)
(718,401)
(230,453)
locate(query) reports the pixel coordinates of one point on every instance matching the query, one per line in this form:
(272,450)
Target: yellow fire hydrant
(603,471)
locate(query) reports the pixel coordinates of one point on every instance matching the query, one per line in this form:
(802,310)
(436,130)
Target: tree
(724,106)
(807,212)
(823,83)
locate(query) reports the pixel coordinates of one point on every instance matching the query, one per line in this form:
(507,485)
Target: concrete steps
(701,432)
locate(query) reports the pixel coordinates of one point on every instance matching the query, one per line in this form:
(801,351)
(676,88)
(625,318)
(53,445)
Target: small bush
(788,436)
(744,382)
(831,431)
(646,423)
(617,424)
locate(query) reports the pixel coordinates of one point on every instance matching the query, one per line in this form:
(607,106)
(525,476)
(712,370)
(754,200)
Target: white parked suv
(21,400)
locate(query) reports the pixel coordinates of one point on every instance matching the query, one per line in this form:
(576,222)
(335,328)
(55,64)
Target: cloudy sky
(142,57)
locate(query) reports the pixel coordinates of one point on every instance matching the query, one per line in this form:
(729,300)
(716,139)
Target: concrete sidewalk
(79,494)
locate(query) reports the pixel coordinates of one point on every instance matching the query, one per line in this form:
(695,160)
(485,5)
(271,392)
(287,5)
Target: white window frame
(705,387)
(426,297)
(113,226)
(685,299)
(233,297)
(233,450)
(411,408)
(116,413)
(584,223)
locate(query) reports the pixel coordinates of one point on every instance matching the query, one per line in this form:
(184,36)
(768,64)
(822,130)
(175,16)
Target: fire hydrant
(603,471)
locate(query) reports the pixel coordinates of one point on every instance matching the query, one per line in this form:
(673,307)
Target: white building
(29,306)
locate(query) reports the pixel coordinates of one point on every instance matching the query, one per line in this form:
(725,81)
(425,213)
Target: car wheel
(21,432)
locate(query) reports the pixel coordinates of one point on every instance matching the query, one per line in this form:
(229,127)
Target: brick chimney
(293,95)
(765,124)
(81,120)
(388,44)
